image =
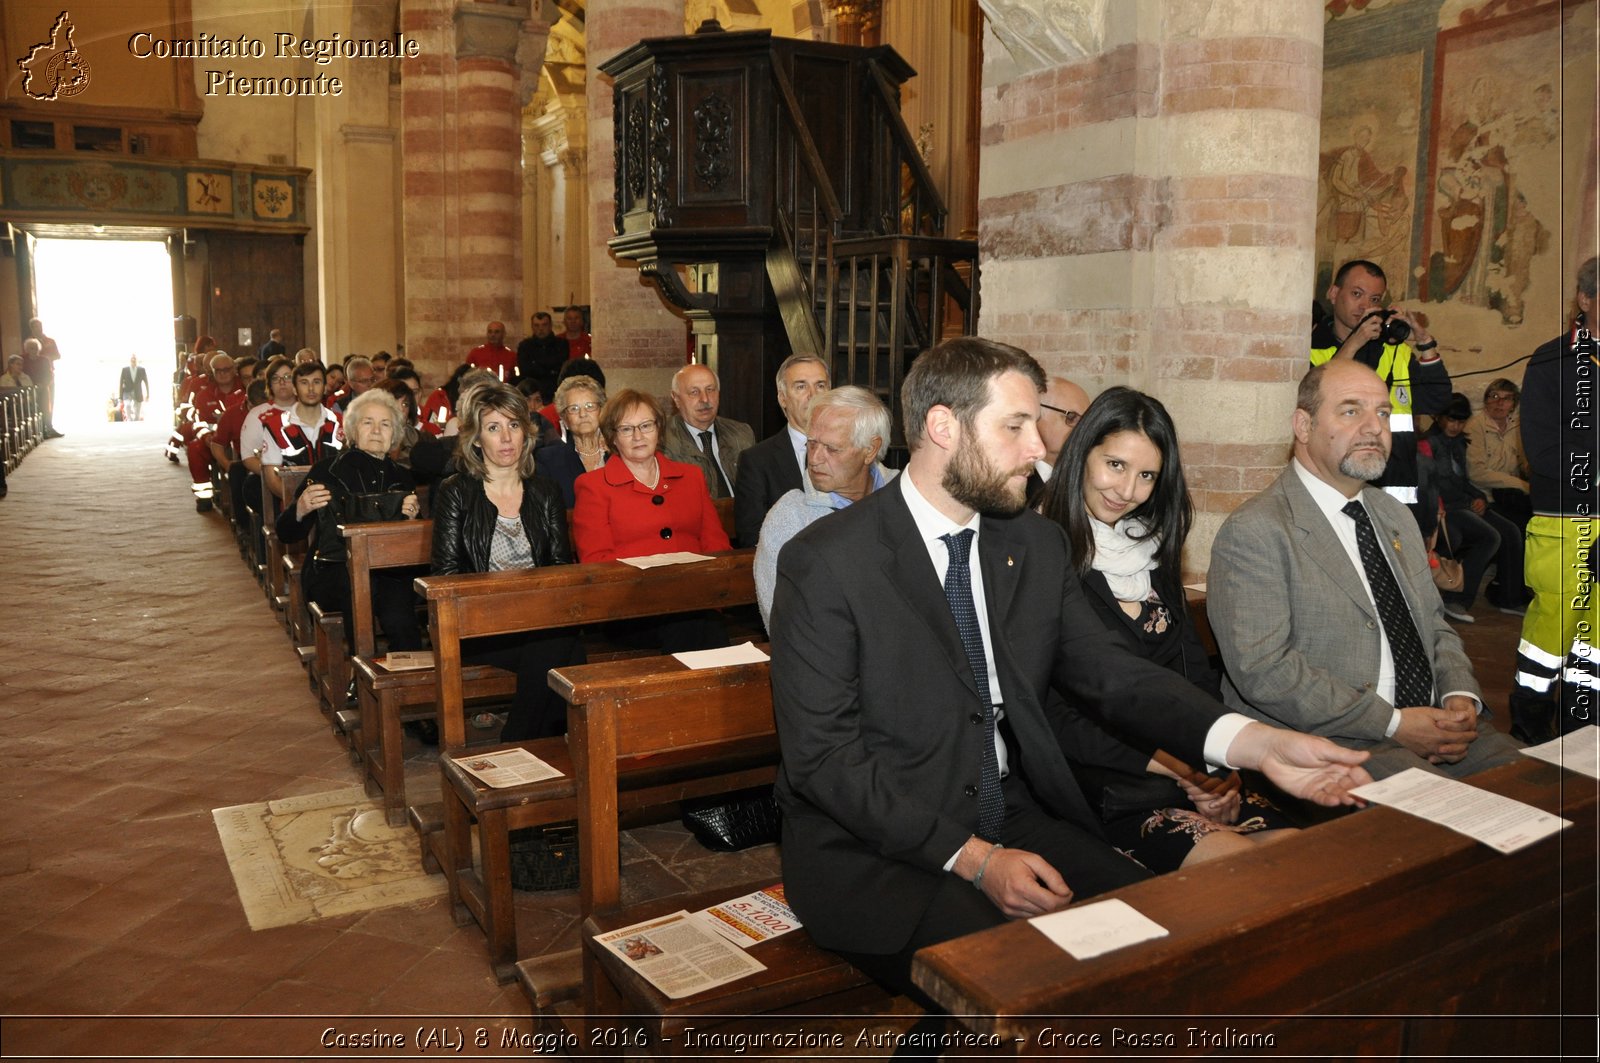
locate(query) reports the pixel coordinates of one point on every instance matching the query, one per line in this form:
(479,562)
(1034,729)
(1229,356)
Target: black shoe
(51,433)
(424,731)
(1531,720)
(202,505)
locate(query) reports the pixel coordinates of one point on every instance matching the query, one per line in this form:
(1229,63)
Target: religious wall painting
(1365,179)
(1495,159)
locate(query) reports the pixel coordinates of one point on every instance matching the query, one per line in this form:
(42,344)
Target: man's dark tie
(1413,678)
(958,589)
(710,451)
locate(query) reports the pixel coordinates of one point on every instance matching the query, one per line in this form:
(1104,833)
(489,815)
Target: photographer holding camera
(1399,348)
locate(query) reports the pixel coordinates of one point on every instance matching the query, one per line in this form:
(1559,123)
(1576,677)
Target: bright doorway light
(102,300)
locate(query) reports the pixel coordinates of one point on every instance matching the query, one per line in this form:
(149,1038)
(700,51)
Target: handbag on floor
(734,821)
(545,858)
(1448,574)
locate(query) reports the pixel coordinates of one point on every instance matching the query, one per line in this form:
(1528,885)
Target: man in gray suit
(696,436)
(1322,603)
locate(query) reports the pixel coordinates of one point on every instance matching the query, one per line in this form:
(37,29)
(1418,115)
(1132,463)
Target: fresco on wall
(1495,153)
(1443,124)
(1365,181)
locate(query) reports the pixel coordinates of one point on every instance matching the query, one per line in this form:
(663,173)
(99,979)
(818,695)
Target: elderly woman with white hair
(358,484)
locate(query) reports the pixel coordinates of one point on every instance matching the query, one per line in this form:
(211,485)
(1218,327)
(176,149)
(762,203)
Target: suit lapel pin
(1009,562)
(1396,541)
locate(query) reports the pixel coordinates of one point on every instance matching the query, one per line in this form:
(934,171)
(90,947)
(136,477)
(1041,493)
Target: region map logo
(54,69)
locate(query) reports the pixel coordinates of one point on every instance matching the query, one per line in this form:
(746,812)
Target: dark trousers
(1474,541)
(1085,859)
(536,711)
(394,603)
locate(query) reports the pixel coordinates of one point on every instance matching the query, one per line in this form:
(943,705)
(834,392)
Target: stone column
(462,211)
(636,338)
(1147,203)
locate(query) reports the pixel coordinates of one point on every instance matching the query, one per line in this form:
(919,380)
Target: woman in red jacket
(640,502)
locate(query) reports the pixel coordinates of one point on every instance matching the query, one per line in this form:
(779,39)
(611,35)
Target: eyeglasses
(1069,416)
(281,378)
(581,407)
(642,428)
(1497,396)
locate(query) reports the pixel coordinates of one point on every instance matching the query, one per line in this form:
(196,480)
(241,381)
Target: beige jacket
(1495,458)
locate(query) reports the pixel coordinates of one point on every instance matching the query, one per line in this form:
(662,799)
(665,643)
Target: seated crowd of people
(1023,572)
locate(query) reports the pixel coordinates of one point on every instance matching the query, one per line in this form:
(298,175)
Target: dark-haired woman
(497,513)
(1118,490)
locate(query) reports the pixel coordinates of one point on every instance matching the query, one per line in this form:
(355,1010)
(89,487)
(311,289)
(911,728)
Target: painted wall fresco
(1454,140)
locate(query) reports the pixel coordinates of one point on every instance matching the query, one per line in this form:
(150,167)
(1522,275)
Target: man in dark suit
(696,436)
(771,469)
(918,758)
(133,389)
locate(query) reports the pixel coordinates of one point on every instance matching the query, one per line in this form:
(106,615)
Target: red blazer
(617,516)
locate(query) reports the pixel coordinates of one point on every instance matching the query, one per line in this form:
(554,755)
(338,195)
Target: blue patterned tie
(1413,677)
(958,590)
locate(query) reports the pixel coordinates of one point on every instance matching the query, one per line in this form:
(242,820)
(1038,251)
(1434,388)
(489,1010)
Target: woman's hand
(410,507)
(314,497)
(1216,799)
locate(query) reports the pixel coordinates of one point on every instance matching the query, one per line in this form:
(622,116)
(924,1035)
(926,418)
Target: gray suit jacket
(733,438)
(1297,630)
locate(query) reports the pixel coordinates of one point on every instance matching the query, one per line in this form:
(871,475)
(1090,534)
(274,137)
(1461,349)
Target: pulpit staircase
(772,190)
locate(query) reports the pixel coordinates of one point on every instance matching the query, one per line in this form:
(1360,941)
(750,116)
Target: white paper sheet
(508,767)
(745,653)
(682,557)
(753,918)
(1497,821)
(1088,930)
(1578,751)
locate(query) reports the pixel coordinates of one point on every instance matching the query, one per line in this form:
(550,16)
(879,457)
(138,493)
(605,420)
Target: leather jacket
(464,518)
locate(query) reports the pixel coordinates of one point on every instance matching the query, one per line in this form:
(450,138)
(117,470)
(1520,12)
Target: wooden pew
(272,505)
(626,722)
(385,699)
(477,604)
(1404,930)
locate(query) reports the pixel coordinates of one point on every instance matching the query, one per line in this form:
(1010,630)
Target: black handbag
(1139,795)
(734,821)
(545,858)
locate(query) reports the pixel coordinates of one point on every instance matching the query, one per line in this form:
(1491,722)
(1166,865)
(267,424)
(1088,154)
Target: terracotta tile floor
(140,659)
(143,658)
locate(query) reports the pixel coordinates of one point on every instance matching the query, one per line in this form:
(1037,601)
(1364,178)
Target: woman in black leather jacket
(358,483)
(498,513)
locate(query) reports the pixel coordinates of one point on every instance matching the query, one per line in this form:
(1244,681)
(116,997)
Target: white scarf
(1124,561)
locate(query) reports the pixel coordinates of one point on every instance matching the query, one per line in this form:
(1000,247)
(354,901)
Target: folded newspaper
(679,954)
(753,918)
(508,767)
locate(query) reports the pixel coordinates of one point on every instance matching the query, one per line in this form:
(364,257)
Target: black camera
(1394,330)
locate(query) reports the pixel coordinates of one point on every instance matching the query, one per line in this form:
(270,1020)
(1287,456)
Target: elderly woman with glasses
(1496,462)
(578,401)
(641,502)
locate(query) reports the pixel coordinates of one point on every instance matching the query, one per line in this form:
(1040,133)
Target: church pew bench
(623,719)
(478,604)
(272,505)
(1374,934)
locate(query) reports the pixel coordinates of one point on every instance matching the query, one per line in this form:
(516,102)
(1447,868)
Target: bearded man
(924,793)
(1322,603)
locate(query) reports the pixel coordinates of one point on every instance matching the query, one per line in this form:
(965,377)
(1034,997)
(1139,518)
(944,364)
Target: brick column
(1147,202)
(636,338)
(461,129)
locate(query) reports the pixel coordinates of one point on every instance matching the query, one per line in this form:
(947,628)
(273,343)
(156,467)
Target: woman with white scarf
(1119,492)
